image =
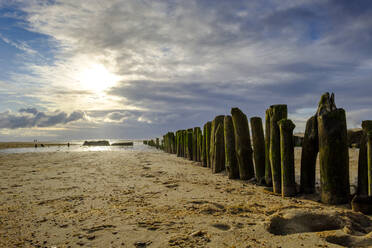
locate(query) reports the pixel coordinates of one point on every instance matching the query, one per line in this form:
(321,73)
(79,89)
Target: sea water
(76,146)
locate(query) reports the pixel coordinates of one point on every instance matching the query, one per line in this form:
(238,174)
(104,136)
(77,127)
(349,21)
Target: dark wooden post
(333,157)
(195,144)
(185,144)
(369,159)
(268,177)
(219,150)
(258,141)
(308,156)
(218,120)
(208,143)
(204,146)
(157,143)
(287,157)
(200,145)
(231,163)
(363,161)
(243,147)
(277,112)
(189,138)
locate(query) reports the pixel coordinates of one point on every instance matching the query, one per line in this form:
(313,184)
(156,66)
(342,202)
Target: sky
(78,69)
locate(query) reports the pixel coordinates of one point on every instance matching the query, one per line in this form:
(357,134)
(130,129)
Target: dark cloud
(31,117)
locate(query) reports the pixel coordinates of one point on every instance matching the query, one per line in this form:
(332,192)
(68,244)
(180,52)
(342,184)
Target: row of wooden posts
(225,144)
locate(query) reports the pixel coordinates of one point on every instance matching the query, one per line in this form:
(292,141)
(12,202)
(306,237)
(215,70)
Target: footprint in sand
(221,226)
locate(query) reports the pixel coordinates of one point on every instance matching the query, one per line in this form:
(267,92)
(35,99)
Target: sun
(97,78)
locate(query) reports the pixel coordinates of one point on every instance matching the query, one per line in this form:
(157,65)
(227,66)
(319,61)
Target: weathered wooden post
(277,112)
(231,163)
(258,141)
(189,141)
(369,159)
(178,147)
(308,156)
(208,142)
(268,177)
(219,150)
(333,152)
(157,143)
(185,134)
(243,147)
(204,148)
(200,146)
(165,142)
(216,165)
(287,157)
(195,144)
(363,161)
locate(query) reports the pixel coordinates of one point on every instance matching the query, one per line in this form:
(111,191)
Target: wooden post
(189,141)
(277,112)
(369,159)
(333,157)
(204,146)
(157,143)
(243,147)
(185,144)
(258,141)
(195,144)
(231,163)
(215,165)
(268,177)
(287,157)
(208,143)
(219,150)
(200,145)
(363,161)
(308,156)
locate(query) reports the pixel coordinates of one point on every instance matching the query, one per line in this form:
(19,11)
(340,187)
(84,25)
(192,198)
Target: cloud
(31,117)
(180,63)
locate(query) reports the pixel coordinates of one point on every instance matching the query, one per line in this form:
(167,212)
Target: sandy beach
(154,199)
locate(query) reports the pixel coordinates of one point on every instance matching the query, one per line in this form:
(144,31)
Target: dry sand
(154,199)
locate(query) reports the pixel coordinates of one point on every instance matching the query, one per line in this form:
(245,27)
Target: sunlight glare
(97,78)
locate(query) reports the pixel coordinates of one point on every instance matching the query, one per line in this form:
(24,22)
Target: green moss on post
(258,141)
(268,177)
(308,156)
(208,143)
(333,157)
(231,163)
(363,161)
(277,112)
(243,147)
(287,157)
(219,150)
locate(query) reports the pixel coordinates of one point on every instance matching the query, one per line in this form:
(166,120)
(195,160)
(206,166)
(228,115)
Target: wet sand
(8,145)
(154,199)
